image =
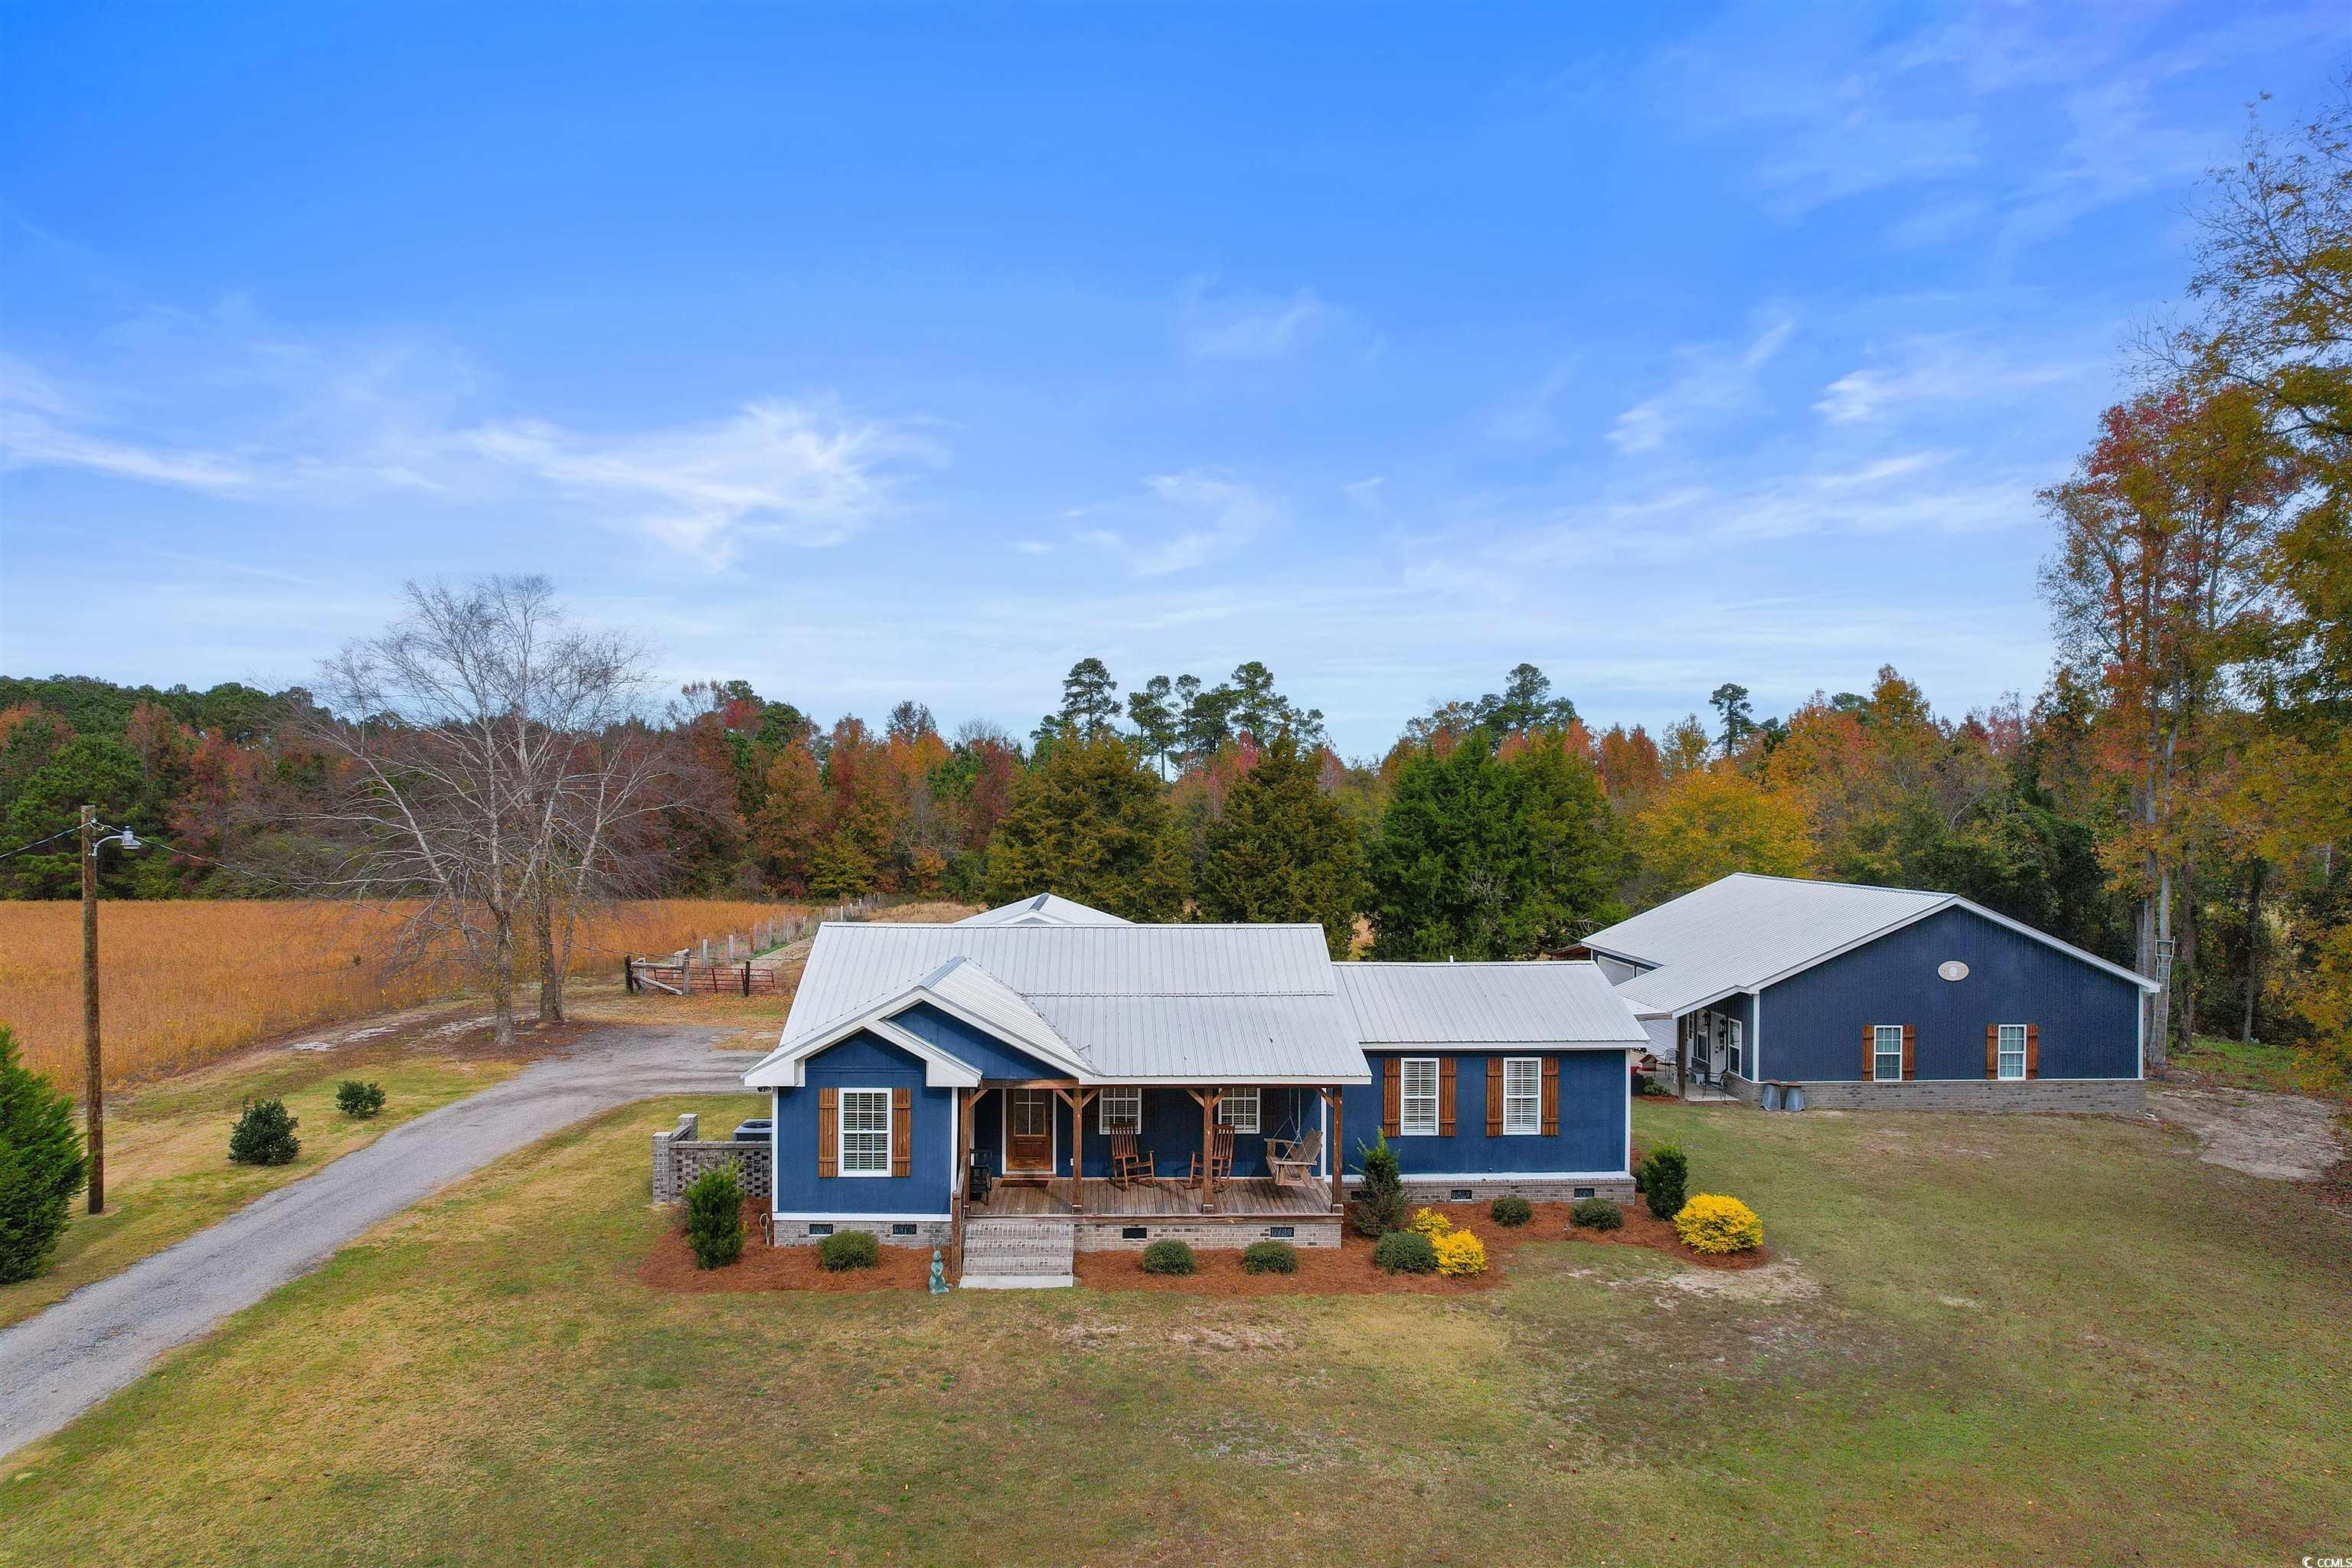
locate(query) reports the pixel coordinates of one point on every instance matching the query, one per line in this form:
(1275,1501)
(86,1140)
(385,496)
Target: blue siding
(2089,1018)
(991,1057)
(1593,1086)
(1170,1131)
(862,1062)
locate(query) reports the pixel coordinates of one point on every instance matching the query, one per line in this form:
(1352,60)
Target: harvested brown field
(184,981)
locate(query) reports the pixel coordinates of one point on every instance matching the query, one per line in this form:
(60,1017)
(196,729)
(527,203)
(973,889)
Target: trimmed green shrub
(1510,1211)
(849,1249)
(1664,1175)
(1269,1257)
(1169,1258)
(359,1101)
(41,1165)
(1597,1214)
(714,1216)
(263,1135)
(1406,1252)
(1378,1207)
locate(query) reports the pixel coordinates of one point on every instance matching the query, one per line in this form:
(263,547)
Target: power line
(35,844)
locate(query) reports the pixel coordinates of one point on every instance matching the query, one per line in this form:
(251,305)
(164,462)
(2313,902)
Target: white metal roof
(1745,930)
(1216,1003)
(1565,1005)
(1044,910)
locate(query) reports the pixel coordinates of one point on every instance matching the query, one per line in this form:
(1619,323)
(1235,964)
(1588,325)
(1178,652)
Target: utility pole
(93,1074)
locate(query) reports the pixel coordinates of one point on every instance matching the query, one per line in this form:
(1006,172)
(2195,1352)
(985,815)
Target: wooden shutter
(1389,1110)
(902,1131)
(1869,1052)
(1910,1052)
(1551,1096)
(1446,1096)
(2034,1050)
(1992,1051)
(1494,1097)
(828,1132)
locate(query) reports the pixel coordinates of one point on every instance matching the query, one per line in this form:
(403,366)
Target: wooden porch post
(963,1178)
(1077,1144)
(1209,1151)
(1339,1148)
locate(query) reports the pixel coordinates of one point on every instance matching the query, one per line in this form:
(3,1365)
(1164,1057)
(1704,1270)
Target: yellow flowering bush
(1460,1252)
(1711,1222)
(1431,1224)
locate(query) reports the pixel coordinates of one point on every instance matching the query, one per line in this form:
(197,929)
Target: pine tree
(41,1165)
(1090,822)
(1283,850)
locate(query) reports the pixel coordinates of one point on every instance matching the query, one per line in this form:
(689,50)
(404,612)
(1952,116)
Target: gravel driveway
(58,1363)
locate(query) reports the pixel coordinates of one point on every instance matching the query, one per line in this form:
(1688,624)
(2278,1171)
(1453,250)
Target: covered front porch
(1115,1158)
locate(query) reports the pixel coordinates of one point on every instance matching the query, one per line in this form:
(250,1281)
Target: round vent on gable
(1952,969)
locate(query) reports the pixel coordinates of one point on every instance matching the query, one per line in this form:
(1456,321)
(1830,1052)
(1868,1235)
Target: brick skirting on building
(2068,1096)
(795,1231)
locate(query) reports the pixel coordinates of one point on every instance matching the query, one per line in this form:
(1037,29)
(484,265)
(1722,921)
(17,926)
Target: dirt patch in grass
(1642,1228)
(671,1266)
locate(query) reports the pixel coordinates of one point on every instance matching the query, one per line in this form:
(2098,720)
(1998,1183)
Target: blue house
(1877,998)
(1034,1082)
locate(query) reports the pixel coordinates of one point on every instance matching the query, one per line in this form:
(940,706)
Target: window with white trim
(1122,1110)
(2011,1044)
(1237,1109)
(1522,1095)
(1887,1053)
(1417,1096)
(865,1131)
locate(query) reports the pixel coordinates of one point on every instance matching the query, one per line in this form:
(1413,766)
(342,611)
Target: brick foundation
(1201,1232)
(928,1233)
(2073,1096)
(1482,1188)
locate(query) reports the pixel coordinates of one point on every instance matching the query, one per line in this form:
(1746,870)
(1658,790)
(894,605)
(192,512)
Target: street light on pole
(94,1079)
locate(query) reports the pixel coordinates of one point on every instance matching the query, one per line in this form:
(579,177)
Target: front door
(1029,1132)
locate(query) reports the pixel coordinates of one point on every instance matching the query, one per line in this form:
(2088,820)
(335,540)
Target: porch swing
(1291,1160)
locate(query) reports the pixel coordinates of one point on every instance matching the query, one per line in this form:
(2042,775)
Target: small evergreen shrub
(1653,1089)
(1270,1257)
(714,1216)
(1430,1223)
(359,1101)
(1510,1212)
(1665,1175)
(1459,1253)
(1715,1224)
(1379,1204)
(1405,1252)
(1169,1258)
(846,1249)
(1597,1214)
(41,1165)
(263,1135)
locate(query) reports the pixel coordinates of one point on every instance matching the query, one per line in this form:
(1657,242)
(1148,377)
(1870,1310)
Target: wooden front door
(1029,1132)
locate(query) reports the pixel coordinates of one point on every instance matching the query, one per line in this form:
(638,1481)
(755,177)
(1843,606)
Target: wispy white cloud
(1247,327)
(218,405)
(1184,520)
(1715,379)
(1942,369)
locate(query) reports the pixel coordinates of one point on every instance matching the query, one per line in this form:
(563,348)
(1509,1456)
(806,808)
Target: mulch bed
(671,1266)
(1344,1270)
(1642,1228)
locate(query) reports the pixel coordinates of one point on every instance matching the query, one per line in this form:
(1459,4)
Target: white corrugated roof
(1044,910)
(1219,1003)
(1486,1003)
(1738,933)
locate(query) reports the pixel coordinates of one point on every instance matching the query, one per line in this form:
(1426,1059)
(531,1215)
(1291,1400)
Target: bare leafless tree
(491,767)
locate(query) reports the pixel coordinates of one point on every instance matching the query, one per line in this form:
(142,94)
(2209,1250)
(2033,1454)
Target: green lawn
(167,1169)
(1998,1340)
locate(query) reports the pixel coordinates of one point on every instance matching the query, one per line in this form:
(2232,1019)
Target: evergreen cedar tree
(41,1165)
(1091,823)
(1283,850)
(1482,856)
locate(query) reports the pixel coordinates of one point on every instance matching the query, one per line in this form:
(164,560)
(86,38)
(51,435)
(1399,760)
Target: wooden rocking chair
(1291,1160)
(1128,1164)
(1220,1162)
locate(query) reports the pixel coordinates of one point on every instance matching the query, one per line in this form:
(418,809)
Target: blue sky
(885,351)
